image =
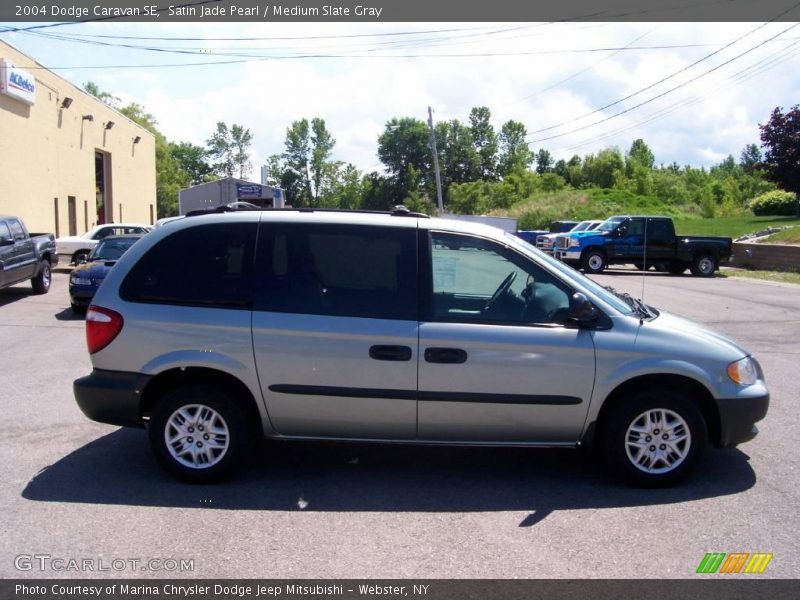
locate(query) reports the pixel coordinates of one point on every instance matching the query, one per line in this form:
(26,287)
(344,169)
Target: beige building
(68,162)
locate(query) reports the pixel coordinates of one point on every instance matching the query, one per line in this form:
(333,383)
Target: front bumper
(81,295)
(568,255)
(112,397)
(738,417)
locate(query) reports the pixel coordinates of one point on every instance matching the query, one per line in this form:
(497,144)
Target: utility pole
(436,162)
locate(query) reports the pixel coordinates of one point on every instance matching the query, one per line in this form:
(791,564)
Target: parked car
(25,255)
(313,324)
(89,274)
(546,242)
(76,247)
(645,242)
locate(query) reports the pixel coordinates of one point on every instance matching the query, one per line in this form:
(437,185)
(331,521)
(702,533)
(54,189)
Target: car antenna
(644,264)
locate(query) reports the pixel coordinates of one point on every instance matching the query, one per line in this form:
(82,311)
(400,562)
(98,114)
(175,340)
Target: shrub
(776,203)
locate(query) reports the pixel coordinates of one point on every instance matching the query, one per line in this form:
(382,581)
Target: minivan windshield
(572,275)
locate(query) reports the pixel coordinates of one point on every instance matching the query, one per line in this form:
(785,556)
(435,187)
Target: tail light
(102,326)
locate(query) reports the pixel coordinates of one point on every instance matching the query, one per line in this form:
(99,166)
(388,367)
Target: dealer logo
(737,562)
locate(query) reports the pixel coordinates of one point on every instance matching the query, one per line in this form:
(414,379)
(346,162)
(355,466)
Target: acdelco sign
(17,83)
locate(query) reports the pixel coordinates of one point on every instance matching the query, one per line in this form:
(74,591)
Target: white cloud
(356,96)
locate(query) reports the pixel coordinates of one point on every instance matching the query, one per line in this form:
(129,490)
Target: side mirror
(581,310)
(6,242)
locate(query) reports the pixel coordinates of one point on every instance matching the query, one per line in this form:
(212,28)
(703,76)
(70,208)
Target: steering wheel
(501,289)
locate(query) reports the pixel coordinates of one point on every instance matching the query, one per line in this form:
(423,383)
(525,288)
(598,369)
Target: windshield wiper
(636,304)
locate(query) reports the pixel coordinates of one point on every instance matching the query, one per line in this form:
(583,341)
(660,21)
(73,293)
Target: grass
(730,226)
(787,236)
(781,276)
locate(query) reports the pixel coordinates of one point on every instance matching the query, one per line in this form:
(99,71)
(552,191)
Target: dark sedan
(87,276)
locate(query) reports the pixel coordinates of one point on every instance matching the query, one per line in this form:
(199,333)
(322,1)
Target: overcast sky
(552,77)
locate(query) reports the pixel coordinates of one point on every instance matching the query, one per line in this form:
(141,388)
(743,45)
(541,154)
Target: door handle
(446,356)
(395,353)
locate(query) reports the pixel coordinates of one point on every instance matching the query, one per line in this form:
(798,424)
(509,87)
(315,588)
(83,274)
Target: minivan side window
(479,281)
(337,270)
(206,265)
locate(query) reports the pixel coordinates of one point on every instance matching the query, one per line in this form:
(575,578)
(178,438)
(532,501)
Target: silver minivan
(394,327)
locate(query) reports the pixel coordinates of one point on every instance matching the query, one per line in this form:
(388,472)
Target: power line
(662,80)
(581,72)
(669,91)
(737,78)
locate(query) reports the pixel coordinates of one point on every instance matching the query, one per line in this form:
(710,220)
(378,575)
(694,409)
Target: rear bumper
(738,417)
(112,397)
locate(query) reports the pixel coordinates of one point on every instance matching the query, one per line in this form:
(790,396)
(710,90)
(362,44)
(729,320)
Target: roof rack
(398,211)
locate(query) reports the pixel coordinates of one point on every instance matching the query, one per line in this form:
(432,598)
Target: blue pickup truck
(646,242)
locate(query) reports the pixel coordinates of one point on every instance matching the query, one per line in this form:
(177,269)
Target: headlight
(743,371)
(574,243)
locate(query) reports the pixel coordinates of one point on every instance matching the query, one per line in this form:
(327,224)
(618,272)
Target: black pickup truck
(646,242)
(25,256)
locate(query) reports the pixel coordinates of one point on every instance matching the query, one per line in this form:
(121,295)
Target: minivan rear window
(206,265)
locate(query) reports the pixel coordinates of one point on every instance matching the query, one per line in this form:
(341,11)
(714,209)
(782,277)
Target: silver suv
(301,324)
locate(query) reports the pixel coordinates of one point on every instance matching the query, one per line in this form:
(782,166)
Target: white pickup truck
(73,248)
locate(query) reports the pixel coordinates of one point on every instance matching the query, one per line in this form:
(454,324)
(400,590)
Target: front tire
(593,262)
(199,433)
(654,438)
(42,280)
(78,256)
(704,265)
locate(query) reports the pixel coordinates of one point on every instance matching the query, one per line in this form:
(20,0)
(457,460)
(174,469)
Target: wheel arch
(177,377)
(593,247)
(692,388)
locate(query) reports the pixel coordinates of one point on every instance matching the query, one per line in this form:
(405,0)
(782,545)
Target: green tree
(192,159)
(780,136)
(544,161)
(324,173)
(297,158)
(638,155)
(405,142)
(515,154)
(90,87)
(458,159)
(750,158)
(485,140)
(230,148)
(604,169)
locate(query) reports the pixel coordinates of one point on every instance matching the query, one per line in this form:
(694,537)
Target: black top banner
(252,11)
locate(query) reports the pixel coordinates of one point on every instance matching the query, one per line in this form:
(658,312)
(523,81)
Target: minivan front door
(499,360)
(335,329)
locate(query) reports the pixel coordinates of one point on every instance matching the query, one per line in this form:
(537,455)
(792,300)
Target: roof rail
(398,211)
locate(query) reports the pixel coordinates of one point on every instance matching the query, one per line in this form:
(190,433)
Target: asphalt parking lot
(74,489)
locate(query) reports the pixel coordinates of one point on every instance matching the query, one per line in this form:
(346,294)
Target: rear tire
(42,280)
(77,309)
(199,433)
(654,438)
(593,262)
(704,265)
